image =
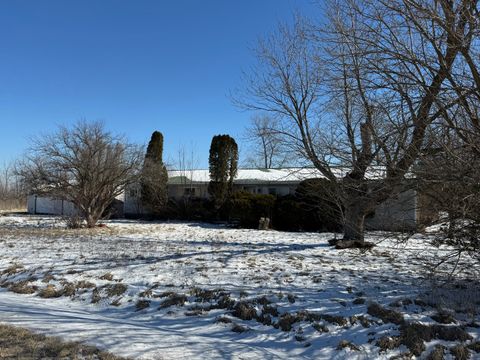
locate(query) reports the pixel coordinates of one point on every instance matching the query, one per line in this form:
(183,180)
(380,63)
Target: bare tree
(267,149)
(362,91)
(186,163)
(450,171)
(85,164)
(12,194)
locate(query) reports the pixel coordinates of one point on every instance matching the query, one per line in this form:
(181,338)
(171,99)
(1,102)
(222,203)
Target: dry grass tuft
(50,291)
(438,353)
(347,344)
(388,343)
(83,284)
(175,299)
(107,276)
(116,289)
(96,296)
(18,343)
(142,304)
(460,352)
(13,269)
(386,315)
(22,287)
(414,335)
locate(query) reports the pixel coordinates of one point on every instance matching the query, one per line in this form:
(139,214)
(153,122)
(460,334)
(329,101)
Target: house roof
(245,176)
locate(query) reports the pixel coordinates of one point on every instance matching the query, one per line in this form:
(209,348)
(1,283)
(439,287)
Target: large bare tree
(361,90)
(84,164)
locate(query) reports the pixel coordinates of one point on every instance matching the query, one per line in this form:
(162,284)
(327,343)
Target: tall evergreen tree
(223,162)
(154,177)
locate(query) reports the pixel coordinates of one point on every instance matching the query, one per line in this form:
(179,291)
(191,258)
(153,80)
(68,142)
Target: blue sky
(137,65)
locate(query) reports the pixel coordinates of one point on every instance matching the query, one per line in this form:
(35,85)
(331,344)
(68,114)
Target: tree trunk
(354,227)
(354,223)
(91,220)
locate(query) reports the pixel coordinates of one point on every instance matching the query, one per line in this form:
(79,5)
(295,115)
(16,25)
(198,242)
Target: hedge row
(312,208)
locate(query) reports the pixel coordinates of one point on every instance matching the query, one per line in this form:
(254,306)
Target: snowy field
(198,291)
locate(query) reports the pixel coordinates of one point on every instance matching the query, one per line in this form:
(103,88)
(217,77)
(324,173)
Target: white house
(401,212)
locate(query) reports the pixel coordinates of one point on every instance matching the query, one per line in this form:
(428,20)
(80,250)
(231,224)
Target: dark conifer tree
(154,177)
(223,162)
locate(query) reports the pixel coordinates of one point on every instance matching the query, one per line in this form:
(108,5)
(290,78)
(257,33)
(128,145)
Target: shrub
(248,208)
(320,210)
(195,209)
(288,214)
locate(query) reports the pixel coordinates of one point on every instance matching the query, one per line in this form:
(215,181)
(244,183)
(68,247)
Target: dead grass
(142,304)
(23,287)
(56,233)
(244,311)
(116,289)
(414,335)
(83,284)
(13,269)
(173,300)
(460,352)
(386,315)
(107,276)
(347,344)
(50,291)
(18,343)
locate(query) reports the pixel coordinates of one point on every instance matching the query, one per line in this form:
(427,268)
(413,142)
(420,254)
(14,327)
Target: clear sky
(137,65)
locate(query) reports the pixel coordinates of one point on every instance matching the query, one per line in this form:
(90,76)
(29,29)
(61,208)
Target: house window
(272,191)
(189,192)
(259,190)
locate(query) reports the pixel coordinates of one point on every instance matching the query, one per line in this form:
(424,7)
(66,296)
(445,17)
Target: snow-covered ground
(191,290)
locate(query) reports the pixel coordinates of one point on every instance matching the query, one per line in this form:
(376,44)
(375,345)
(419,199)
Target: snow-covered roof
(287,175)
